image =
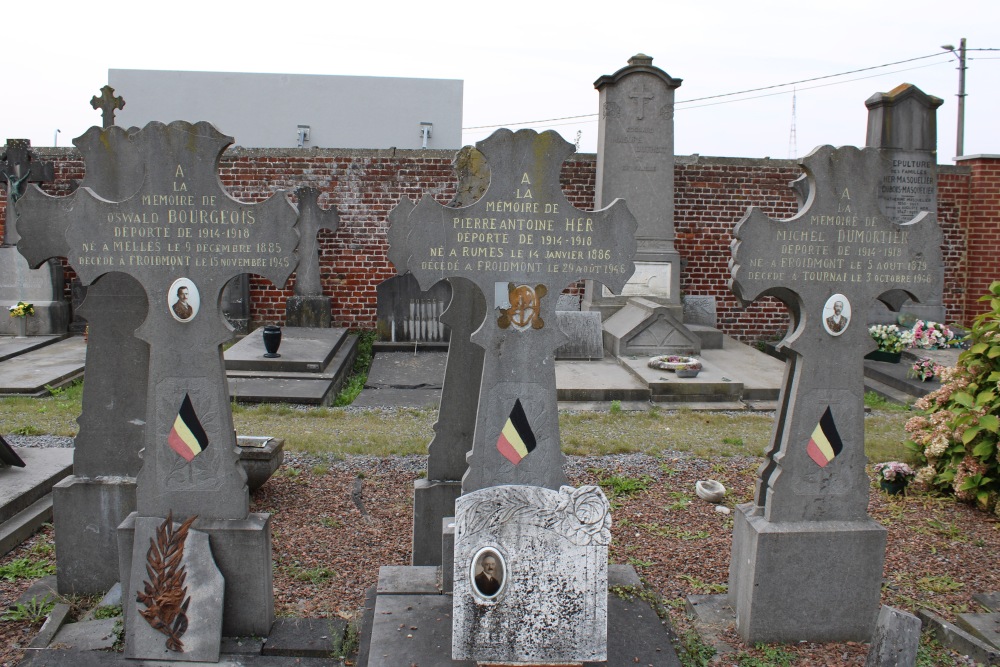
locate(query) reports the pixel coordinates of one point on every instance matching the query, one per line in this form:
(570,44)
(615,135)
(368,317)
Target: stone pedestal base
(816,581)
(86,514)
(242,552)
(432,502)
(308,311)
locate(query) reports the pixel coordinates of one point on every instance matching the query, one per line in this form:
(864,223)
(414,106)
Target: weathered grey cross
(18,167)
(108,103)
(312,218)
(182,237)
(828,264)
(521,243)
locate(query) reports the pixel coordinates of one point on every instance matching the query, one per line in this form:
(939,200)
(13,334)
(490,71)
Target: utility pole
(960,133)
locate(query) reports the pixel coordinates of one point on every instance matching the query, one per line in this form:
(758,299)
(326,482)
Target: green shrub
(956,437)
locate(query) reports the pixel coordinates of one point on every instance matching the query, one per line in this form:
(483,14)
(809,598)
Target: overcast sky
(533,61)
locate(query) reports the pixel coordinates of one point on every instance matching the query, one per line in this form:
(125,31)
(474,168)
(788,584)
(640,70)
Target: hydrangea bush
(956,437)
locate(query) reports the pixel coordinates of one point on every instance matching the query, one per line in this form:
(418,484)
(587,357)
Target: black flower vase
(272,339)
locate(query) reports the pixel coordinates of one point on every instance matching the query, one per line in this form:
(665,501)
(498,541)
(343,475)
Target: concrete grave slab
(11,347)
(54,365)
(531,575)
(43,468)
(984,626)
(306,638)
(302,350)
(99,635)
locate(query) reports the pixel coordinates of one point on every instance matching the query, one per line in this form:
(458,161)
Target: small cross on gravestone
(807,559)
(108,103)
(521,244)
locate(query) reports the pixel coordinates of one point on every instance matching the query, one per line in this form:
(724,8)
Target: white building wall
(265,110)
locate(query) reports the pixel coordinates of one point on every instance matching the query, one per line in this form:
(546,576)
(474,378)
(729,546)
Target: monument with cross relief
(183,237)
(807,560)
(521,244)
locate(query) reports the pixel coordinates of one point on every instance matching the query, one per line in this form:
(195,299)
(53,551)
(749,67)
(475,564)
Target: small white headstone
(531,575)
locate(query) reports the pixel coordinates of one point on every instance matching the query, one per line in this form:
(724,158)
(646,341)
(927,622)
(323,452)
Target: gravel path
(336,520)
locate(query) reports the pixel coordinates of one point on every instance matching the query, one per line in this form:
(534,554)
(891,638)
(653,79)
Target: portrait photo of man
(837,315)
(489,575)
(183,300)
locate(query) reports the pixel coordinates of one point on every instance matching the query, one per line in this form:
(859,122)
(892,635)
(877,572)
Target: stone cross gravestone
(43,288)
(521,243)
(434,496)
(531,575)
(635,162)
(308,307)
(807,559)
(904,122)
(89,505)
(183,237)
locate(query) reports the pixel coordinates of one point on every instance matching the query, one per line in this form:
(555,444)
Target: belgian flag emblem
(187,437)
(825,443)
(516,440)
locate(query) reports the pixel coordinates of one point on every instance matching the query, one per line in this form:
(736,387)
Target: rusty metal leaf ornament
(165,595)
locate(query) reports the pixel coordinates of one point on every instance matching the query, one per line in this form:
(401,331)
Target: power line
(749,90)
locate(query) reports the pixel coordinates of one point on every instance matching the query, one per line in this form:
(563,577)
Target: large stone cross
(312,218)
(108,103)
(521,244)
(182,237)
(829,263)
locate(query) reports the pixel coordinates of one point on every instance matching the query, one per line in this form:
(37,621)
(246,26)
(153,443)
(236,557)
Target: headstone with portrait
(521,244)
(807,558)
(183,237)
(531,575)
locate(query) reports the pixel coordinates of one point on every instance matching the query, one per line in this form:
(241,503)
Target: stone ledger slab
(547,552)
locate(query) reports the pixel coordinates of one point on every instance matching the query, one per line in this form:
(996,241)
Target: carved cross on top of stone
(182,237)
(108,103)
(312,218)
(828,264)
(19,167)
(521,244)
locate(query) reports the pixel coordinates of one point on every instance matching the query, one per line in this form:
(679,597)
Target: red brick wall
(711,195)
(982,225)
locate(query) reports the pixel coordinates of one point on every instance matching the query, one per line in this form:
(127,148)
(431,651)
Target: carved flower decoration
(586,518)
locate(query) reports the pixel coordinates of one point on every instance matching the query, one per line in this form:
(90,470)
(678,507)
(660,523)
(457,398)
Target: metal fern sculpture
(165,595)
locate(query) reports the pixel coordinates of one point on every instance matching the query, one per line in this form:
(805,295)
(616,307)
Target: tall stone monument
(807,560)
(182,237)
(904,123)
(635,161)
(42,287)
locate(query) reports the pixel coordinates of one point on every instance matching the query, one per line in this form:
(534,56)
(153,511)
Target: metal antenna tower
(793,147)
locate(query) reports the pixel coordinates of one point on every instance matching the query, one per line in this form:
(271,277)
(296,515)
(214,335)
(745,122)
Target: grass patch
(34,611)
(620,486)
(879,402)
(27,568)
(401,432)
(359,372)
